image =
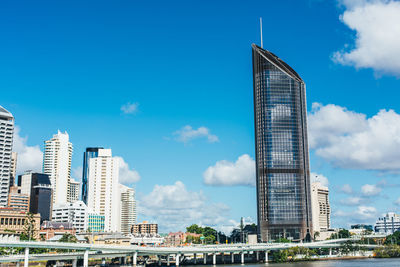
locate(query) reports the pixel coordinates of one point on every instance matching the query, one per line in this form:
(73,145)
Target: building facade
(73,191)
(6,142)
(91,152)
(14,221)
(18,201)
(128,208)
(145,228)
(321,210)
(38,188)
(282,159)
(75,213)
(49,229)
(103,189)
(95,222)
(13,169)
(388,224)
(57,164)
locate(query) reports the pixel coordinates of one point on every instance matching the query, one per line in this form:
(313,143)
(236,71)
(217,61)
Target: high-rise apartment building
(13,169)
(57,164)
(321,210)
(38,188)
(73,191)
(282,159)
(91,152)
(103,189)
(128,208)
(6,143)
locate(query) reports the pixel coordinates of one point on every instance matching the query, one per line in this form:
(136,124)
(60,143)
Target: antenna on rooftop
(261,32)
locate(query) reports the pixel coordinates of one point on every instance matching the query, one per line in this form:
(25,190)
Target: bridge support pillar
(177,260)
(103,261)
(214,259)
(330,252)
(266,256)
(26,259)
(134,259)
(75,263)
(257,256)
(232,257)
(205,258)
(195,258)
(86,258)
(17,264)
(168,263)
(159,260)
(242,257)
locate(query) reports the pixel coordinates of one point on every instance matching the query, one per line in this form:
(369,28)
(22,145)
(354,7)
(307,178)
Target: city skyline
(189,130)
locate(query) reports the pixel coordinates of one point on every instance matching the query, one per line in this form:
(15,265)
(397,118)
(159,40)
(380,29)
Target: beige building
(18,201)
(321,211)
(145,228)
(13,168)
(73,191)
(128,208)
(12,220)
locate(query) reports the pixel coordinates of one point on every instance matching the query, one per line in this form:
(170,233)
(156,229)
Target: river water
(393,262)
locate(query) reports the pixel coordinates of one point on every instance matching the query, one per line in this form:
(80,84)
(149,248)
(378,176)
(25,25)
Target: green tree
(393,239)
(68,238)
(194,228)
(29,228)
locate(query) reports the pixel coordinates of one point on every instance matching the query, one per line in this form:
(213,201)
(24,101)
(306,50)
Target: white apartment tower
(321,211)
(13,168)
(57,164)
(128,208)
(73,191)
(6,143)
(103,190)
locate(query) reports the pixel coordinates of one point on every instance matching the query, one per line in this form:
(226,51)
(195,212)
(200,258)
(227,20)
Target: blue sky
(72,66)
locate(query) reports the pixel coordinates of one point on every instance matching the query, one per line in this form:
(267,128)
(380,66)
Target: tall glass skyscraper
(282,159)
(91,152)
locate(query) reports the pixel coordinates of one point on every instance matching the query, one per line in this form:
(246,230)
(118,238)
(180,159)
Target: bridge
(163,254)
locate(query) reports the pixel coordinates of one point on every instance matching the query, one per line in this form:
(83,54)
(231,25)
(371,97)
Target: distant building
(13,169)
(95,222)
(103,189)
(147,239)
(388,224)
(75,213)
(91,152)
(6,142)
(179,238)
(49,229)
(321,211)
(128,208)
(57,164)
(14,221)
(18,201)
(144,228)
(73,191)
(38,188)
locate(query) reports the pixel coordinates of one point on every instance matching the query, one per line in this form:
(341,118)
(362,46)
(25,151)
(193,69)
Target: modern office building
(13,169)
(388,224)
(282,159)
(91,152)
(95,222)
(6,142)
(145,228)
(103,189)
(57,164)
(75,213)
(18,201)
(321,210)
(73,191)
(37,187)
(128,208)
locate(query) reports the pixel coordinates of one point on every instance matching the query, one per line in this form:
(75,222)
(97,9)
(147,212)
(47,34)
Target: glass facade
(95,222)
(91,152)
(282,160)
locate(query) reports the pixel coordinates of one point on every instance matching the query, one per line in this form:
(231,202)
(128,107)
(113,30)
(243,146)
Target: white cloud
(351,140)
(370,190)
(346,188)
(315,177)
(241,172)
(29,157)
(366,212)
(174,207)
(130,108)
(397,202)
(377,41)
(187,134)
(352,201)
(126,175)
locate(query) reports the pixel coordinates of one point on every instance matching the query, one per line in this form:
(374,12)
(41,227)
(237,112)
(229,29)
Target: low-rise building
(13,221)
(180,238)
(144,228)
(18,201)
(95,222)
(147,239)
(75,213)
(388,224)
(49,229)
